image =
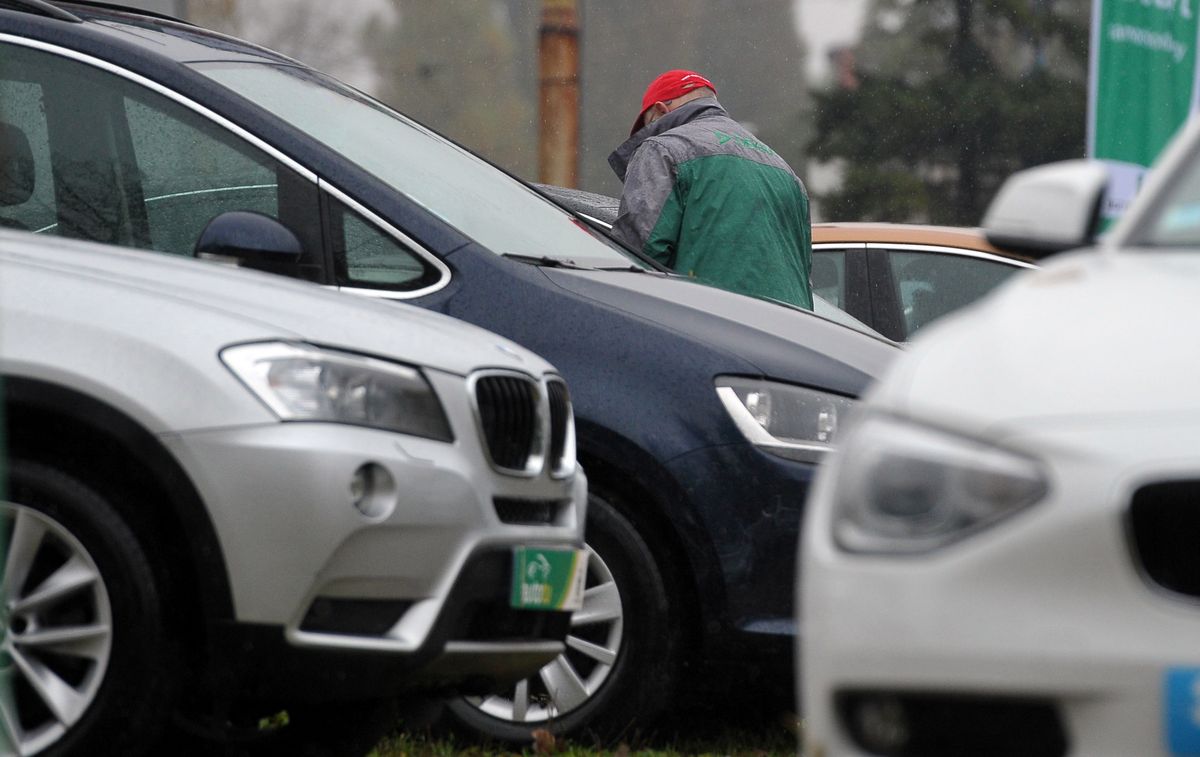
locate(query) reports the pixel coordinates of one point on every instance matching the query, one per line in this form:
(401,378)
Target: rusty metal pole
(558,67)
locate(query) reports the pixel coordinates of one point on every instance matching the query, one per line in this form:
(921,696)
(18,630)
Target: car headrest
(16,166)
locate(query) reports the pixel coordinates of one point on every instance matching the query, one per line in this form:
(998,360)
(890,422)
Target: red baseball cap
(668,86)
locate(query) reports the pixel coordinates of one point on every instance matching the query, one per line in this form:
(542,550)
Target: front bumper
(477,644)
(750,505)
(305,563)
(1044,620)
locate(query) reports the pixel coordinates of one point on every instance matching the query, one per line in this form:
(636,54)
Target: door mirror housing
(1049,208)
(250,240)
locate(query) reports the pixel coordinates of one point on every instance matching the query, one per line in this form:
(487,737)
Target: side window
(932,284)
(26,187)
(829,276)
(190,176)
(117,163)
(365,256)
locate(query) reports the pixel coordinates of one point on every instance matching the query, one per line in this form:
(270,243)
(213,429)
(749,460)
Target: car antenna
(42,8)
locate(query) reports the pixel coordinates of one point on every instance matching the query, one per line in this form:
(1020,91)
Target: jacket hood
(781,342)
(251,305)
(701,107)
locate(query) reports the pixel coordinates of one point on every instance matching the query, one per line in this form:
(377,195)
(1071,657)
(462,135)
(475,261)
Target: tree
(453,65)
(984,89)
(322,34)
(468,68)
(749,48)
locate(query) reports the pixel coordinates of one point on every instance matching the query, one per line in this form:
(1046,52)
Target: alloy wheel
(572,678)
(56,627)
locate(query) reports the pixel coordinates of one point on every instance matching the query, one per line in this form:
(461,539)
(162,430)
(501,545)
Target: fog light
(373,491)
(882,724)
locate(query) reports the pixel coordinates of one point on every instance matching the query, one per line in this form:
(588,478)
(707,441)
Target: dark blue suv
(701,414)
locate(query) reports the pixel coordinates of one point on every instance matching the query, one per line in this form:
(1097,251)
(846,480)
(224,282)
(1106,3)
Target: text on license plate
(548,579)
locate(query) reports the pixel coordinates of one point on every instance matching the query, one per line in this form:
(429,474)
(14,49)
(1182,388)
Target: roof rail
(41,8)
(127,9)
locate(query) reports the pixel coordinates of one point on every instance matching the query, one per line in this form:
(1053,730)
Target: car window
(830,312)
(829,276)
(366,257)
(115,162)
(932,284)
(1175,222)
(26,194)
(486,204)
(188,176)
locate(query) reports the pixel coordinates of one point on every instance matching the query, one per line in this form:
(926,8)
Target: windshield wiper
(547,261)
(604,228)
(629,269)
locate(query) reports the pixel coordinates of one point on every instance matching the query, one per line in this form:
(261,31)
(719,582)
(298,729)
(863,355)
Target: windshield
(467,192)
(1175,221)
(831,312)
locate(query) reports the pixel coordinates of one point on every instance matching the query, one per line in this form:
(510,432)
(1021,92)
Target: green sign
(1143,85)
(548,579)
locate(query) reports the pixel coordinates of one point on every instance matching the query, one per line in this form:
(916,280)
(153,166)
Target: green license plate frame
(548,578)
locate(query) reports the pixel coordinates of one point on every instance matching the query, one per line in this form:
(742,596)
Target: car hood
(275,306)
(1088,337)
(782,342)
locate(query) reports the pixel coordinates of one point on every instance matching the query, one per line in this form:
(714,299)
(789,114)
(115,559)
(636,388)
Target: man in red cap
(706,198)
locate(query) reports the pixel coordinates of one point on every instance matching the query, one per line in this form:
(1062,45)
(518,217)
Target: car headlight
(902,488)
(789,421)
(300,382)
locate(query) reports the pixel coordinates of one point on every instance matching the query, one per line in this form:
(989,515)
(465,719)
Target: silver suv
(263,511)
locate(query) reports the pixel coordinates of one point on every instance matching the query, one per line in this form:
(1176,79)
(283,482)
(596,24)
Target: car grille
(354,617)
(508,412)
(529,512)
(561,456)
(936,724)
(525,423)
(1165,520)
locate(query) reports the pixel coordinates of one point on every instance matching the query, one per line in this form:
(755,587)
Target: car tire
(84,632)
(620,663)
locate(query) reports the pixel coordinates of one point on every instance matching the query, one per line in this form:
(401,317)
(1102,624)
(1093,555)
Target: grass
(739,736)
(733,744)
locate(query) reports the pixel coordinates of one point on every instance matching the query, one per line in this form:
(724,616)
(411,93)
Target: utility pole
(558,70)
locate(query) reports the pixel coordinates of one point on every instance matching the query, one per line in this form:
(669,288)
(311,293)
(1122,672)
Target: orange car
(897,278)
(893,277)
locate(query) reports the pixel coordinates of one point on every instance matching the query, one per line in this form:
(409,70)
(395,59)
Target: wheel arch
(618,466)
(109,451)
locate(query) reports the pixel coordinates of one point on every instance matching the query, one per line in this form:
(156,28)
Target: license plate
(548,579)
(1181,690)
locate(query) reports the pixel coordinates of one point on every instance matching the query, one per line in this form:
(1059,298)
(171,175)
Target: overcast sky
(825,24)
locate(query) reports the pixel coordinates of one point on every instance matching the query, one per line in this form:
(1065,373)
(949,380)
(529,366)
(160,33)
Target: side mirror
(250,240)
(1049,208)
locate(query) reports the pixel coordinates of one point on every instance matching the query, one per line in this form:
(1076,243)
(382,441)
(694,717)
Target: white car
(1004,556)
(230,495)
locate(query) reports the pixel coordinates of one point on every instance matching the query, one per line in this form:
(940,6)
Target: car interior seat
(925,276)
(16,172)
(944,286)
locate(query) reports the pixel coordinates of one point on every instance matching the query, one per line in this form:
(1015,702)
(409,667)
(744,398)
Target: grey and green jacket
(708,200)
